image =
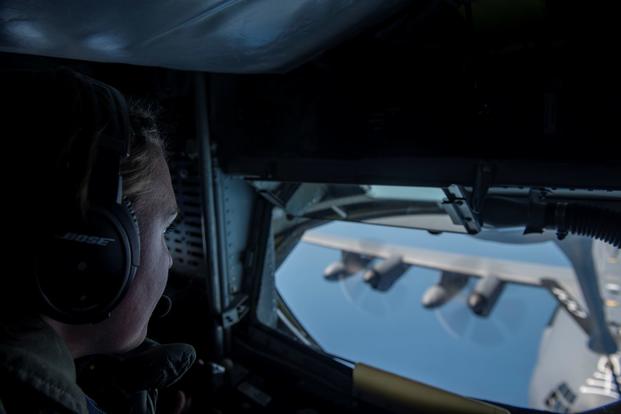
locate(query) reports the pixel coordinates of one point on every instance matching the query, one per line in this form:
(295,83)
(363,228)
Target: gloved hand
(130,383)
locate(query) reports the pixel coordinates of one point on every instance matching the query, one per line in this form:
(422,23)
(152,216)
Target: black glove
(130,383)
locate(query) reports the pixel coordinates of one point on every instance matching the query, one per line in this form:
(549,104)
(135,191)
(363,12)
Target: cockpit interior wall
(233,36)
(427,98)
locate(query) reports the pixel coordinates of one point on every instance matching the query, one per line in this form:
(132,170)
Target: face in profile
(156,210)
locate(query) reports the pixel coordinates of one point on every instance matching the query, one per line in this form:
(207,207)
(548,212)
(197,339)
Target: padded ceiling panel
(231,36)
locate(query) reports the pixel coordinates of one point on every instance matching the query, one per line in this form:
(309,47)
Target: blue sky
(450,348)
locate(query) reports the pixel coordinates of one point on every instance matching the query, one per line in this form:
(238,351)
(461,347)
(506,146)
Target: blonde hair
(146,145)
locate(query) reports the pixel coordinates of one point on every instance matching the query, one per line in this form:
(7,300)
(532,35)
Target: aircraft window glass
(482,337)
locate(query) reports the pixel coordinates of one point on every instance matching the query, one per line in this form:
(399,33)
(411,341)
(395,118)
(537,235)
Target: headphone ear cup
(89,266)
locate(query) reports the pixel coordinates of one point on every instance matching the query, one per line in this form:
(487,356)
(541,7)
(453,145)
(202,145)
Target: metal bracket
(463,207)
(236,312)
(457,207)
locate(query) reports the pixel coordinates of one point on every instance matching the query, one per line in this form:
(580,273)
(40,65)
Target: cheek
(154,261)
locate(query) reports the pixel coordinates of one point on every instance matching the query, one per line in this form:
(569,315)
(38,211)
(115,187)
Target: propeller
(459,321)
(363,296)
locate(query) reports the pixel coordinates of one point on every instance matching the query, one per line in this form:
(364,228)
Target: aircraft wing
(560,281)
(505,270)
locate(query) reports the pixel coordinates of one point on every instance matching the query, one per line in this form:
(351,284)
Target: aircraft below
(579,363)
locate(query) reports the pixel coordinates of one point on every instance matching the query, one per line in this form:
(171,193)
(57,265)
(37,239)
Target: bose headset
(92,253)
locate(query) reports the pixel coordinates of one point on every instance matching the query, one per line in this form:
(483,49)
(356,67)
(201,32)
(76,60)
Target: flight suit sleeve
(131,382)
